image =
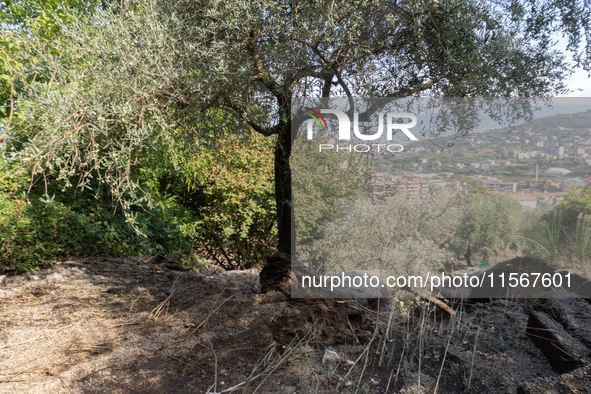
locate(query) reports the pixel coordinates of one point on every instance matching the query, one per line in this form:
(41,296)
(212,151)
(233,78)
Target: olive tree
(487,223)
(260,54)
(143,70)
(397,236)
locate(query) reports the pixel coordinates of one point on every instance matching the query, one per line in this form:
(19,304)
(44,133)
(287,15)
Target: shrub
(34,229)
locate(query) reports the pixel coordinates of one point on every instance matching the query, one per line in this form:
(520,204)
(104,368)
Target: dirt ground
(137,325)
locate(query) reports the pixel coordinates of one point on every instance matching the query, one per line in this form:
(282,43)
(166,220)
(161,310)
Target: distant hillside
(571,131)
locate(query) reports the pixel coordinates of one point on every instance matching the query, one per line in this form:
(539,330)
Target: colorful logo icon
(315,114)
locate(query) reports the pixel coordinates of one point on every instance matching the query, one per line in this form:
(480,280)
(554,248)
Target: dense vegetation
(211,199)
(166,126)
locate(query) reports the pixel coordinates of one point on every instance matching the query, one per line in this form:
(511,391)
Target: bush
(567,228)
(34,230)
(221,188)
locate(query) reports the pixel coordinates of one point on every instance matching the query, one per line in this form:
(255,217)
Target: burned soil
(138,325)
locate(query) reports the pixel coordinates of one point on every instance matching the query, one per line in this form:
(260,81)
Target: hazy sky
(579,80)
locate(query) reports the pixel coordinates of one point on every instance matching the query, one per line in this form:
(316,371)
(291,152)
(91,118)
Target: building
(533,201)
(492,185)
(380,189)
(555,150)
(520,155)
(412,187)
(573,184)
(444,187)
(557,171)
(550,186)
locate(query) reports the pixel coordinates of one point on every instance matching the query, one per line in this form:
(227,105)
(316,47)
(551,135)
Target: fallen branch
(440,304)
(129,323)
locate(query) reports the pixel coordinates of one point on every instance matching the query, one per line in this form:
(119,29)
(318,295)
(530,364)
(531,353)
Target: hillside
(442,154)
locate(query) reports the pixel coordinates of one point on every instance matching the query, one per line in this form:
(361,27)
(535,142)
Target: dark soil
(133,325)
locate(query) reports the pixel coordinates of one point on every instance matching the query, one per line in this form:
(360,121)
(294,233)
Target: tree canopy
(487,223)
(111,86)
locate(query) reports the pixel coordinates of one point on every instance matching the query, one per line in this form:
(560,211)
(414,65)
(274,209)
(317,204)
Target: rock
(577,381)
(580,285)
(563,351)
(330,356)
(55,277)
(573,314)
(3,281)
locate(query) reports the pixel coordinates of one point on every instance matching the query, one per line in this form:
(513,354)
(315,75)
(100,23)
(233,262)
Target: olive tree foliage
(393,235)
(42,18)
(365,48)
(98,103)
(321,183)
(104,109)
(486,224)
(130,76)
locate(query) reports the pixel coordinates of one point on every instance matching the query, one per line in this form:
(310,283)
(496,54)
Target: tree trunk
(467,255)
(283,192)
(276,272)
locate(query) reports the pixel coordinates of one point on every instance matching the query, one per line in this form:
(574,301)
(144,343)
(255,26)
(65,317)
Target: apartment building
(492,185)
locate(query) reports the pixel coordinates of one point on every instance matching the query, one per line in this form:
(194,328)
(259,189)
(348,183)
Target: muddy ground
(136,325)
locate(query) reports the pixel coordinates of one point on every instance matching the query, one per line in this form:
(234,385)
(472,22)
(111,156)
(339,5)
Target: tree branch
(259,66)
(266,131)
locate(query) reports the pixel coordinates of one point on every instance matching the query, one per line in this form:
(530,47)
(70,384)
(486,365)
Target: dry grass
(120,326)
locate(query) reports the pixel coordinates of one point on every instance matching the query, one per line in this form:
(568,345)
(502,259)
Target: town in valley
(535,163)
